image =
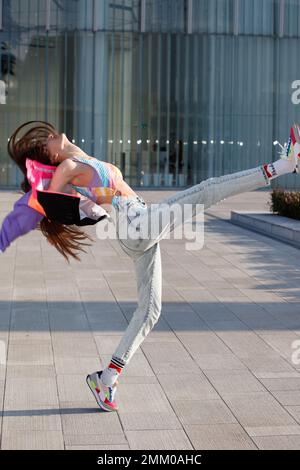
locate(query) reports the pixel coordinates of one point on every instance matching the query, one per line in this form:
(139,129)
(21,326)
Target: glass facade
(171,91)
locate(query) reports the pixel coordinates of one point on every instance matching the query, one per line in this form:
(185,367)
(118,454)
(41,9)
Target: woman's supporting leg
(147,260)
(149,285)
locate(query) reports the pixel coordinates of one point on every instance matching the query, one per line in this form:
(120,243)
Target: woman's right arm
(21,220)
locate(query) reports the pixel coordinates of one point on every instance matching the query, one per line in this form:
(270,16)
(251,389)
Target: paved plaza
(219,371)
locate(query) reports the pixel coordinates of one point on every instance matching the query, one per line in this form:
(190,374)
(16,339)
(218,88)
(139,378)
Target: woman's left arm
(64,173)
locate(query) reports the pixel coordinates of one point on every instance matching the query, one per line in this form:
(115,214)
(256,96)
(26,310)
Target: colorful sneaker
(291,150)
(104,395)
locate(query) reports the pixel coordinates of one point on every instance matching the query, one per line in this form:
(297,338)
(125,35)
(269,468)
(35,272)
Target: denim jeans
(145,252)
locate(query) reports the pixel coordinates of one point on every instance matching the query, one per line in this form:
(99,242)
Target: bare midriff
(101,181)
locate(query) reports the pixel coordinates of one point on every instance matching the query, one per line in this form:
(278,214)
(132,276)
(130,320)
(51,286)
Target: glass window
(165,15)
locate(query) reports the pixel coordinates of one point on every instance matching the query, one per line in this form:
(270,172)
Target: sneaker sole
(100,403)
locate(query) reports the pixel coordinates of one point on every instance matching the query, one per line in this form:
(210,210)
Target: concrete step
(272,225)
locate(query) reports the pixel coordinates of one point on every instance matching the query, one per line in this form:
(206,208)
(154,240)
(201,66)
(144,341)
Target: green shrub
(285,203)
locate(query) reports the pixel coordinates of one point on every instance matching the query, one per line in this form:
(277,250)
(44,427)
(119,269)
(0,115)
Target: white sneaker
(291,150)
(105,396)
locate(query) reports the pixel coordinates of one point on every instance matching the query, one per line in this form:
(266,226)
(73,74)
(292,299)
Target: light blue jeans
(145,252)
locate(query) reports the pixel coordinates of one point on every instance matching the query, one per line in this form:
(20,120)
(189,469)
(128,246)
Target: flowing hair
(33,144)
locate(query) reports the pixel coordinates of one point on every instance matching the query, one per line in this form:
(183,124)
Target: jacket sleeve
(21,220)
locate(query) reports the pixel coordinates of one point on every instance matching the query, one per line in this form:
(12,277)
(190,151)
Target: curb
(274,226)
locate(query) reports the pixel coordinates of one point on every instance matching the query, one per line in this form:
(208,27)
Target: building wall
(171,91)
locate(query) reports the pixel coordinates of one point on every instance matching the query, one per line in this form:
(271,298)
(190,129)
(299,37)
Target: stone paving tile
(142,398)
(170,357)
(43,418)
(40,324)
(287,397)
(29,334)
(203,343)
(218,362)
(257,409)
(14,371)
(94,309)
(228,325)
(278,442)
(73,386)
(32,440)
(4,316)
(160,335)
(277,375)
(244,344)
(78,322)
(262,365)
(2,384)
(234,381)
(82,365)
(104,323)
(181,387)
(294,411)
(203,412)
(142,379)
(80,419)
(116,329)
(149,420)
(184,321)
(74,345)
(2,372)
(211,312)
(158,440)
(34,351)
(35,391)
(62,308)
(273,430)
(287,383)
(106,344)
(105,439)
(219,436)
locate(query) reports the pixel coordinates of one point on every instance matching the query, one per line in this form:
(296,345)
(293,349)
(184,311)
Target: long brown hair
(33,144)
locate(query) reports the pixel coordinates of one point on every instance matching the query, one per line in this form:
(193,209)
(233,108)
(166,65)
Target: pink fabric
(39,175)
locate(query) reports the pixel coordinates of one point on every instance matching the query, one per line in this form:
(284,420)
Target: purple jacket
(21,220)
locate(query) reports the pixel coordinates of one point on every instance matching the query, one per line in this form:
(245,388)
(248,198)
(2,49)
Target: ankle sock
(278,168)
(110,375)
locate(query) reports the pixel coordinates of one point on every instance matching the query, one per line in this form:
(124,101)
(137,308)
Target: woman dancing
(57,172)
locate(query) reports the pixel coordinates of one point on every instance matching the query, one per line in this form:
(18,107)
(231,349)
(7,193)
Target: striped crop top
(107,185)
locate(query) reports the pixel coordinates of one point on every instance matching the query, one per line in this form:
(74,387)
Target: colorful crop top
(107,185)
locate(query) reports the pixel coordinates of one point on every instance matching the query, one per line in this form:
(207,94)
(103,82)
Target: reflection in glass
(168,107)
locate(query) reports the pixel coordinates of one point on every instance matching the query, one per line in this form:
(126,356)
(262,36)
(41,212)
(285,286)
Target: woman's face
(56,144)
